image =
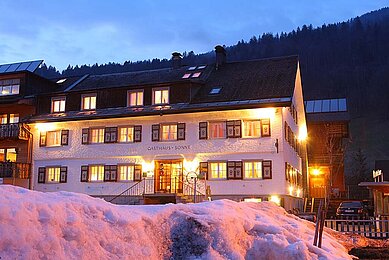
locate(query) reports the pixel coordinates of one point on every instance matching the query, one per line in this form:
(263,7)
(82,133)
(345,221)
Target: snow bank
(65,225)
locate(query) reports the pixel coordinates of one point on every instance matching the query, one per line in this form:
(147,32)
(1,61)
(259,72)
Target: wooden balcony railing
(15,170)
(14,131)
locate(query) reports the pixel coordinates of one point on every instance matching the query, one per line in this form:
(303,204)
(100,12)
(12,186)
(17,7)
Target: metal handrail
(126,191)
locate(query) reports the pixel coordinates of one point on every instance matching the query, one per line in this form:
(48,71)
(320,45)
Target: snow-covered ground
(65,225)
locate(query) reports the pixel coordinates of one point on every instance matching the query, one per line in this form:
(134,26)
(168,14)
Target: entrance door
(168,176)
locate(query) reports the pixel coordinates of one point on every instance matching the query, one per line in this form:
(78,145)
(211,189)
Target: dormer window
(58,104)
(135,98)
(215,91)
(88,101)
(160,96)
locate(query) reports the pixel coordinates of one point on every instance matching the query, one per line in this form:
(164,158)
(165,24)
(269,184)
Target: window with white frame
(88,102)
(253,170)
(252,128)
(96,135)
(217,130)
(126,134)
(58,104)
(13,118)
(169,132)
(135,98)
(53,174)
(9,87)
(126,172)
(218,170)
(96,173)
(160,96)
(53,138)
(4,119)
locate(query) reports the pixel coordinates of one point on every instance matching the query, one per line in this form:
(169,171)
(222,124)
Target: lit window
(4,119)
(53,138)
(9,87)
(53,174)
(161,96)
(218,170)
(96,173)
(88,102)
(61,81)
(217,130)
(13,118)
(126,134)
(192,68)
(201,67)
(96,135)
(252,128)
(215,91)
(186,75)
(196,75)
(169,132)
(126,172)
(58,105)
(252,170)
(11,155)
(135,98)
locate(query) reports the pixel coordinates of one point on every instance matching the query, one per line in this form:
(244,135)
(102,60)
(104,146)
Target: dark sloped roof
(265,78)
(136,78)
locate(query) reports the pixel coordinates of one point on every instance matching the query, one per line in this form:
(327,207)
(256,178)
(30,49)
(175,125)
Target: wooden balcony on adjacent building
(15,170)
(14,131)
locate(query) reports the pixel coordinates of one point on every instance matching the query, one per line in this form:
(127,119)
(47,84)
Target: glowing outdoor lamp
(303,133)
(276,199)
(316,172)
(298,192)
(291,189)
(268,112)
(44,127)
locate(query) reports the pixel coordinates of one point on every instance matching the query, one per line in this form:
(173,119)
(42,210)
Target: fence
(371,228)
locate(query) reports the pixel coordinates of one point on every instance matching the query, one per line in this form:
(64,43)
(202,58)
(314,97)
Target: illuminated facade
(239,128)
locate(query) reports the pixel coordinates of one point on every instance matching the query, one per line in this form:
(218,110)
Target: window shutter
(63,174)
(238,170)
(286,131)
(64,137)
(110,135)
(230,170)
(155,133)
(84,173)
(181,131)
(230,129)
(203,130)
(41,174)
(286,171)
(107,173)
(138,133)
(137,172)
(42,139)
(114,170)
(85,136)
(204,170)
(267,169)
(237,128)
(265,127)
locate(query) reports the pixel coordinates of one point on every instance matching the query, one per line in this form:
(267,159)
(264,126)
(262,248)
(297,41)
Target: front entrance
(168,176)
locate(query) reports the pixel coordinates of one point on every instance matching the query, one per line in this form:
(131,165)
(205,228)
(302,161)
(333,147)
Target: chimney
(176,60)
(220,56)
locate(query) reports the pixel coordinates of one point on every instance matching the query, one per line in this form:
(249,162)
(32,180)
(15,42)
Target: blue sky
(85,32)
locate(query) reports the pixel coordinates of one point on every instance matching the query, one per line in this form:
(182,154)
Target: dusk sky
(85,32)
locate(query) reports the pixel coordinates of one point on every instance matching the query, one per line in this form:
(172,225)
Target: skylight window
(61,81)
(196,75)
(186,75)
(215,91)
(192,68)
(201,67)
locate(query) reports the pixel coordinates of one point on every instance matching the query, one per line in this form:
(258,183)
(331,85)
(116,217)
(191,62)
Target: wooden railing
(14,131)
(15,170)
(371,228)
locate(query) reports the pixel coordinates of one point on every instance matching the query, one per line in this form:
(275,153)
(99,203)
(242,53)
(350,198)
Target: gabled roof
(255,79)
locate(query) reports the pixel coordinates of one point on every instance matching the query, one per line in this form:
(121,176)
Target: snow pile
(65,225)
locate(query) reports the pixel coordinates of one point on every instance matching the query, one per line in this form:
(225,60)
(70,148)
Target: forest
(346,59)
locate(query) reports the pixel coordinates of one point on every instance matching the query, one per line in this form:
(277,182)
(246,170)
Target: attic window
(61,81)
(196,75)
(186,75)
(192,68)
(201,67)
(215,91)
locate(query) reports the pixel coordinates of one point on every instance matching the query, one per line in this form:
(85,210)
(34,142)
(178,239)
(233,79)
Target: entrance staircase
(311,205)
(143,192)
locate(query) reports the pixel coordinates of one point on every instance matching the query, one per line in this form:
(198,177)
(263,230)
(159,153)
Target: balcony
(15,170)
(14,131)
